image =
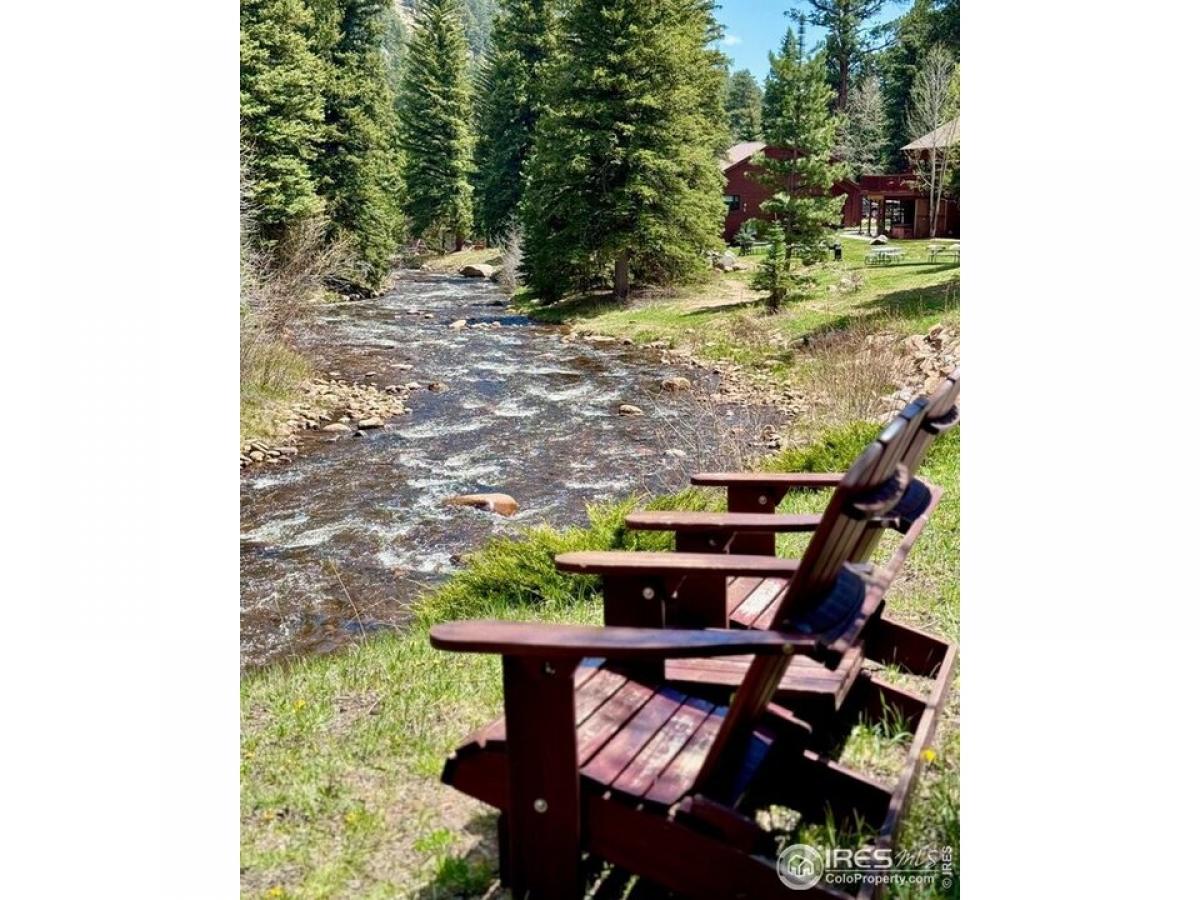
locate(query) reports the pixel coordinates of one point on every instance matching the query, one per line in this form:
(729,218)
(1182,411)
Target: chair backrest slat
(872,477)
(942,405)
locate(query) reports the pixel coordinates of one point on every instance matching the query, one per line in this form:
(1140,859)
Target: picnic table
(882,255)
(937,251)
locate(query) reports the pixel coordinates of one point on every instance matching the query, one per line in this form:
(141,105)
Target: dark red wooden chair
(609,757)
(747,591)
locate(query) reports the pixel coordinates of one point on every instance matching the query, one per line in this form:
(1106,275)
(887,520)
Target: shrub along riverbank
(341,753)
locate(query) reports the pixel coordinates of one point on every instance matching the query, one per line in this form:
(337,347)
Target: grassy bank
(341,753)
(720,317)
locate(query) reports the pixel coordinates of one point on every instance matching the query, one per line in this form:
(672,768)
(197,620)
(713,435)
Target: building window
(897,212)
(733,201)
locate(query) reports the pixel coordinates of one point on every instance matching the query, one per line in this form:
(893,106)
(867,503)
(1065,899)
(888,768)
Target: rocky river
(338,541)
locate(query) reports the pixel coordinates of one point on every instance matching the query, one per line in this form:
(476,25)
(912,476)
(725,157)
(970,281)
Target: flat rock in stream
(372,422)
(337,428)
(501,504)
(628,409)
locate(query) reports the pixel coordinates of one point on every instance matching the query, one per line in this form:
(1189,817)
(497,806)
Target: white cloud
(730,40)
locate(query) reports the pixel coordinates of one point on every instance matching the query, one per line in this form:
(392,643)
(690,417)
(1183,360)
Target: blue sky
(753,27)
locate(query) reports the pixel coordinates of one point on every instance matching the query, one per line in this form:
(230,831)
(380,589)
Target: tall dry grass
(850,374)
(280,280)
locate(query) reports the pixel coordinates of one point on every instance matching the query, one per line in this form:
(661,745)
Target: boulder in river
(438,386)
(478,270)
(628,409)
(501,504)
(372,422)
(458,325)
(337,428)
(677,383)
(413,386)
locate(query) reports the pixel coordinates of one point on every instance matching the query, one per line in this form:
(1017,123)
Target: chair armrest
(788,480)
(708,522)
(632,562)
(578,641)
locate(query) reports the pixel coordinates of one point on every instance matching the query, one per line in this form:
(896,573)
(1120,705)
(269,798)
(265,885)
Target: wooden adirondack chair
(737,596)
(612,759)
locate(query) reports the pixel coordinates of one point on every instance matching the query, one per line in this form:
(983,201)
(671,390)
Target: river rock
(437,387)
(628,409)
(288,451)
(501,504)
(337,428)
(678,383)
(480,270)
(257,455)
(459,325)
(413,386)
(373,422)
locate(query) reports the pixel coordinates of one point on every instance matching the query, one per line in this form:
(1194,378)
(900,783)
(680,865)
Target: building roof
(739,152)
(943,136)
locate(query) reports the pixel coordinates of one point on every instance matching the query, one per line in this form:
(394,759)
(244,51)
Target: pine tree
(774,274)
(845,20)
(783,66)
(624,175)
(511,97)
(743,104)
(799,124)
(435,111)
(281,113)
(478,16)
(360,157)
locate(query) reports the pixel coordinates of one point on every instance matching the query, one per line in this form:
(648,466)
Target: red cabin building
(745,194)
(886,204)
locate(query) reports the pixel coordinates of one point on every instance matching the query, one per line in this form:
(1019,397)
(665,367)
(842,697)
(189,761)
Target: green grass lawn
(341,753)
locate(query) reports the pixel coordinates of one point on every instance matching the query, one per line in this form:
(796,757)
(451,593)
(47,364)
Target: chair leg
(502,850)
(543,814)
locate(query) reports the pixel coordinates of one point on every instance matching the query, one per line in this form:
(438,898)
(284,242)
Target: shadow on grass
(476,873)
(469,874)
(583,306)
(908,305)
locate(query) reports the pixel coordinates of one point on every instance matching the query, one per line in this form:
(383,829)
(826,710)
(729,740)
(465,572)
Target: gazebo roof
(943,136)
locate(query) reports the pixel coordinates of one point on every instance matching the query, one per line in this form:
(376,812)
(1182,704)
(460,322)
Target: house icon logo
(800,866)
